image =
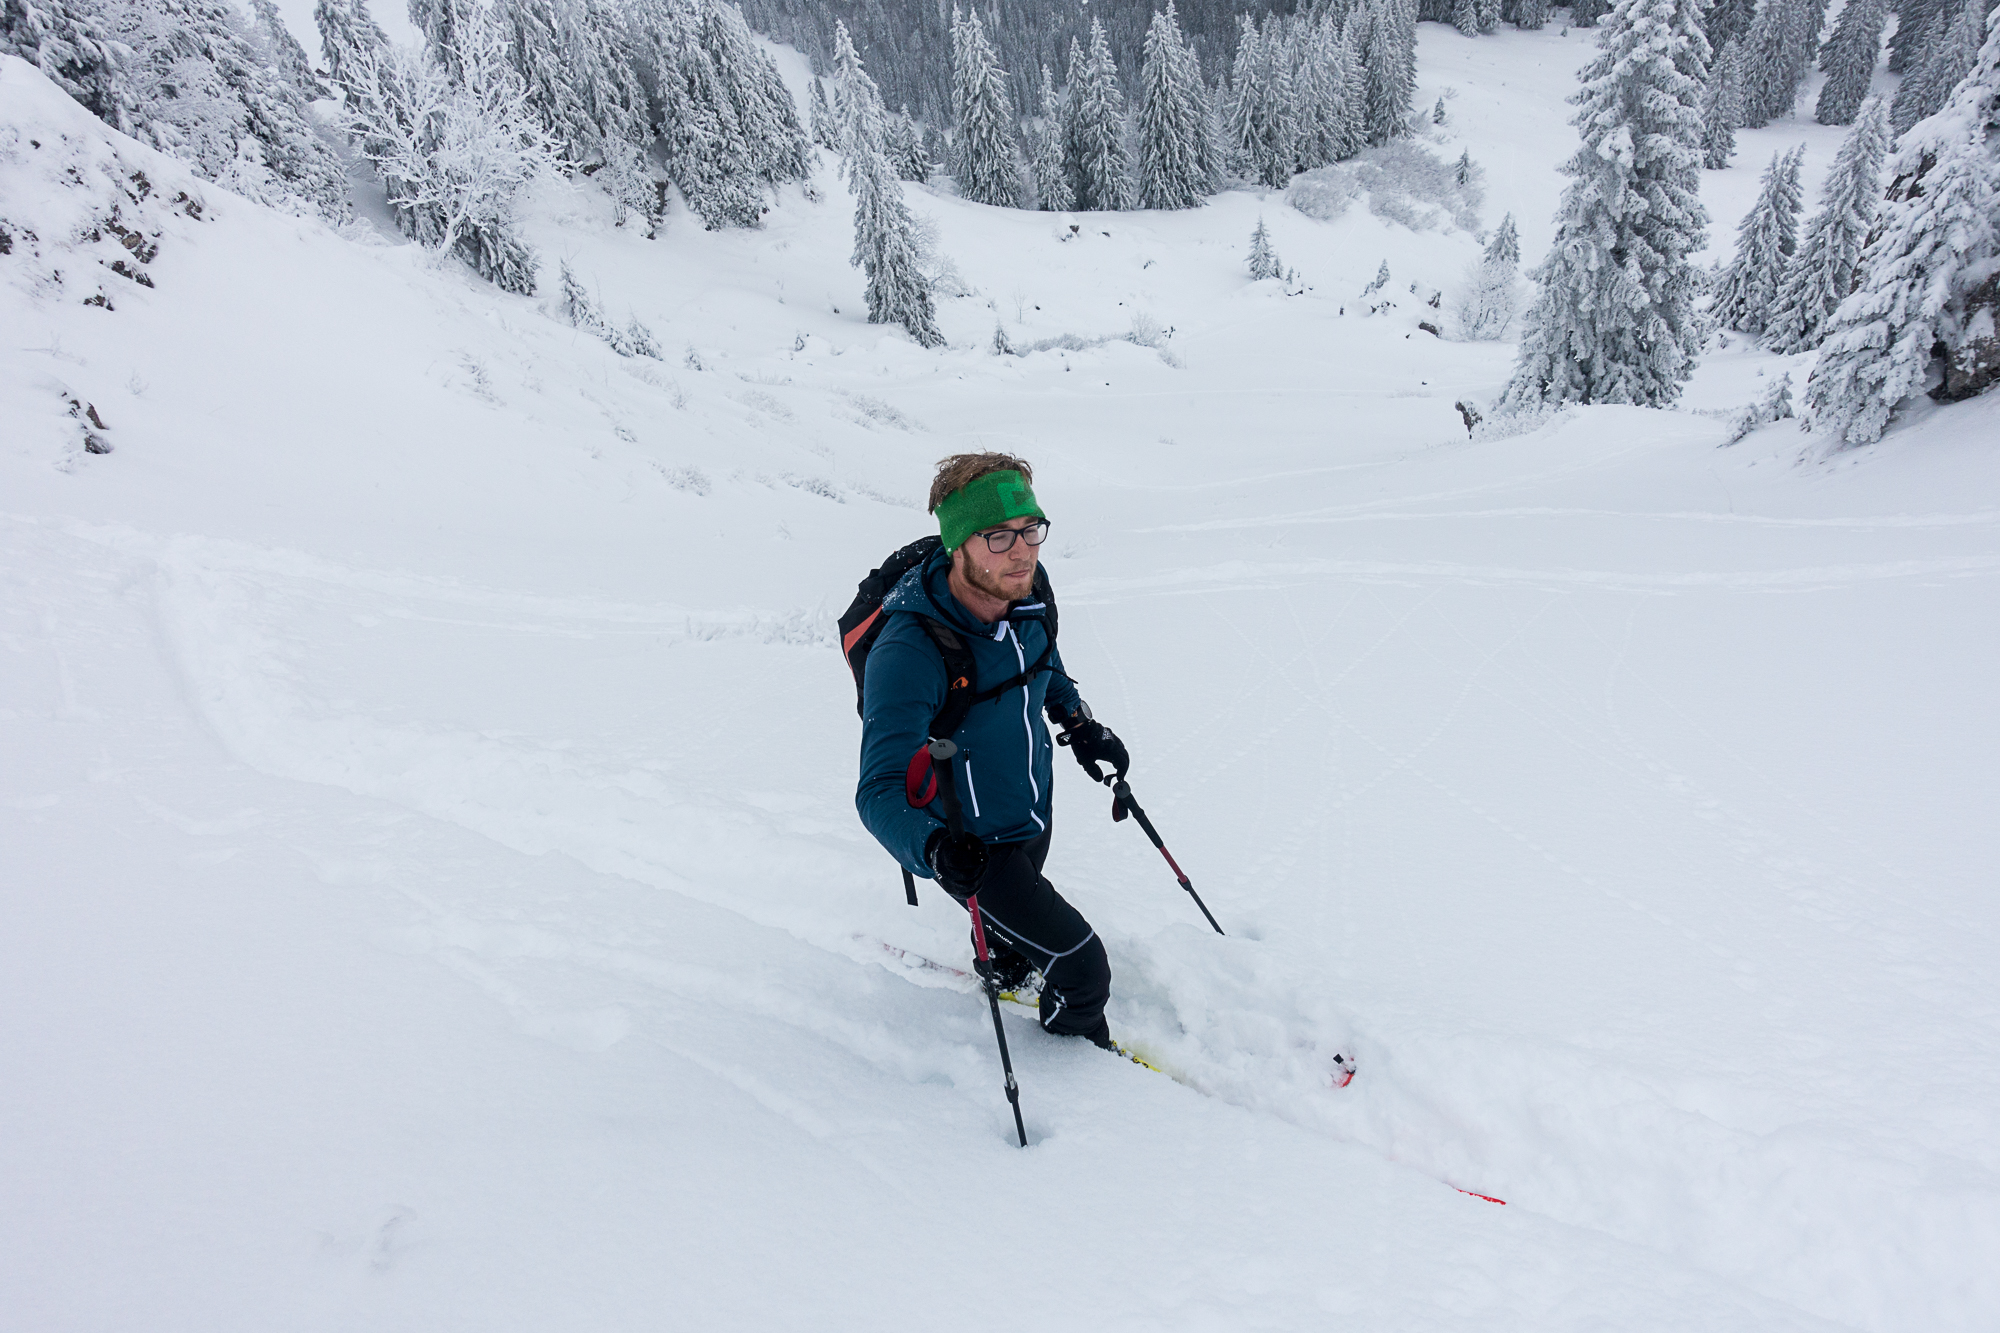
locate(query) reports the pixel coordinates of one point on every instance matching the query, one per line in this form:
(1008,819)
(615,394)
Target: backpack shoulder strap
(961,676)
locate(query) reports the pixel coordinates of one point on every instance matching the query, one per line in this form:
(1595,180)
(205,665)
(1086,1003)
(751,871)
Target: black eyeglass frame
(1006,536)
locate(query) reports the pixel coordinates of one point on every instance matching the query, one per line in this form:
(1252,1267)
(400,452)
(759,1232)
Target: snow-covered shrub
(1775,405)
(1146,331)
(1405,184)
(1324,192)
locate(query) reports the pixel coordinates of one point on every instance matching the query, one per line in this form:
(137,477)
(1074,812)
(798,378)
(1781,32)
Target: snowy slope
(433,897)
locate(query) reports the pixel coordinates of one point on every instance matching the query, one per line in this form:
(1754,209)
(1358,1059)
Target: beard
(993,584)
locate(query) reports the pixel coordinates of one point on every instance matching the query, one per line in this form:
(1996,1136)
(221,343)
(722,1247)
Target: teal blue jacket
(1004,768)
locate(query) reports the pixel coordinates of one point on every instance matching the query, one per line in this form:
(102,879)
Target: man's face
(1008,574)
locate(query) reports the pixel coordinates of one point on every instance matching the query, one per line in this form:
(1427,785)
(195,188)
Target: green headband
(985,502)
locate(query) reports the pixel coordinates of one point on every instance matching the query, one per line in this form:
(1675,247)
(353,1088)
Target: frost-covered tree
(825,130)
(453,154)
(1176,160)
(1823,271)
(1615,320)
(1263,260)
(1765,242)
(1928,295)
(885,236)
(70,41)
(1721,109)
(1102,168)
(1262,114)
(200,89)
(1531,15)
(1951,52)
(1587,13)
(1505,245)
(983,157)
(1052,188)
(1849,60)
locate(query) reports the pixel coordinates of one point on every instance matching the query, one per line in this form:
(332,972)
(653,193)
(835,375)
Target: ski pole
(1123,791)
(941,756)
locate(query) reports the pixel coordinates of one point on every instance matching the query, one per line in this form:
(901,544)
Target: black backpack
(862,624)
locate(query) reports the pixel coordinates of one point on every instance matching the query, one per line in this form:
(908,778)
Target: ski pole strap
(910,886)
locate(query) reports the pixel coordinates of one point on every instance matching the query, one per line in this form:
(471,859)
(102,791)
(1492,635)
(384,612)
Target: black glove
(1093,743)
(957,860)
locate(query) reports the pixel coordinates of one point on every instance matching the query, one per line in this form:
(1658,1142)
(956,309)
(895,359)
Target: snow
(433,896)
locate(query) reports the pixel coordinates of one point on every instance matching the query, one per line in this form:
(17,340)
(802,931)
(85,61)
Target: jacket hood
(927,591)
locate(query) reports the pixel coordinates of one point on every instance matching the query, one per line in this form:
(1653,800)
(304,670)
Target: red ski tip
(1343,1070)
(1477,1195)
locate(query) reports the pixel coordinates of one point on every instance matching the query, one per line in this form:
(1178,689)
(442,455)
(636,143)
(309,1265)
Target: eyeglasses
(1002,539)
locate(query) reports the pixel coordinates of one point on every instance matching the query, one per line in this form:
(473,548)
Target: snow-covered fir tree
(1490,295)
(1323,125)
(825,130)
(1915,20)
(1505,245)
(1849,58)
(1051,180)
(443,24)
(1721,109)
(1728,21)
(1615,320)
(199,89)
(1176,160)
(1929,293)
(1263,258)
(1531,15)
(1769,84)
(903,143)
(453,154)
(1952,51)
(70,41)
(1765,241)
(725,120)
(1388,62)
(1353,89)
(983,157)
(282,50)
(1262,113)
(1823,271)
(1587,13)
(346,32)
(1101,167)
(885,236)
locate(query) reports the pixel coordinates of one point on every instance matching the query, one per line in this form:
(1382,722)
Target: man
(979,585)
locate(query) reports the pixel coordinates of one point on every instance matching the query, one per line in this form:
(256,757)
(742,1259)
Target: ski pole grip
(942,752)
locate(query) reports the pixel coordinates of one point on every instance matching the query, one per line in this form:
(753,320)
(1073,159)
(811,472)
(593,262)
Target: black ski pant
(1022,911)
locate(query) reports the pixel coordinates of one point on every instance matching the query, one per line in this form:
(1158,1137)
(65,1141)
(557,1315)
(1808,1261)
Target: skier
(978,585)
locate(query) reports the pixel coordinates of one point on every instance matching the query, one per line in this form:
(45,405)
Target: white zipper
(971,790)
(1027,722)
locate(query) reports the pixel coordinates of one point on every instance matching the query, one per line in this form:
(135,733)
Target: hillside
(433,896)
